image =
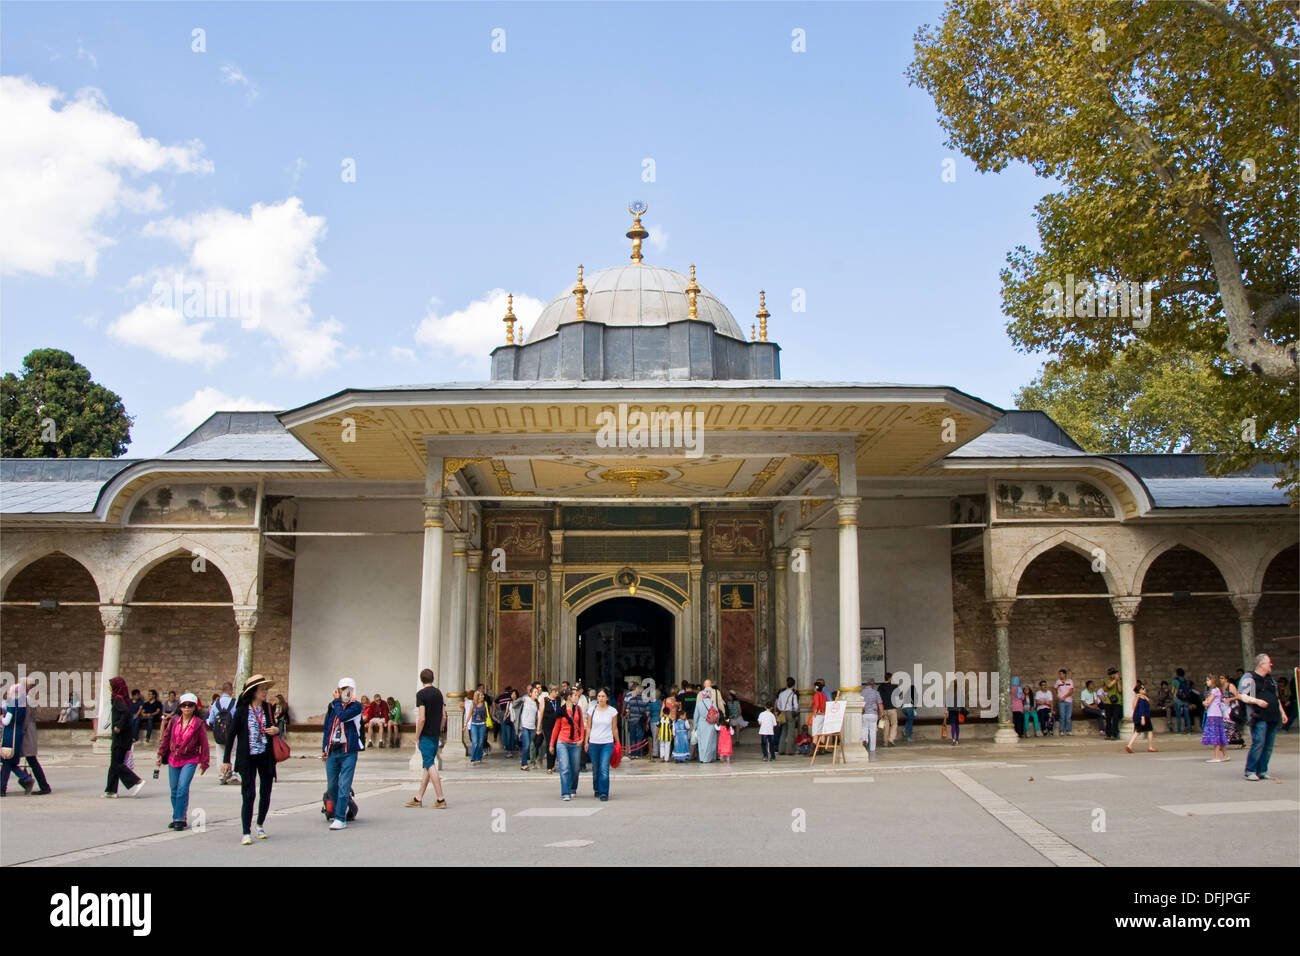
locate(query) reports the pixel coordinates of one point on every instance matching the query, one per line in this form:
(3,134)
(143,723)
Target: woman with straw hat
(184,745)
(250,737)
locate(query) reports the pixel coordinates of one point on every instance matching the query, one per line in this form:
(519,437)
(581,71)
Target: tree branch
(1276,53)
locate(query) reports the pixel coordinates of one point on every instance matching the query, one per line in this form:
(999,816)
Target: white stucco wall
(356,607)
(905,586)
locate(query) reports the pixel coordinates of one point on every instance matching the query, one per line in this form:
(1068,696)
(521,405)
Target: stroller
(1047,727)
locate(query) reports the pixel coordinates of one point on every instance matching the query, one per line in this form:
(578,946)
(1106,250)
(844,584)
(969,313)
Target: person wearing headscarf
(14,719)
(29,748)
(706,731)
(120,744)
(183,744)
(1017,706)
(250,739)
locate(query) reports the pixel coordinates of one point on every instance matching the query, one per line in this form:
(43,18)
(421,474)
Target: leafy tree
(248,497)
(1142,401)
(1172,128)
(55,410)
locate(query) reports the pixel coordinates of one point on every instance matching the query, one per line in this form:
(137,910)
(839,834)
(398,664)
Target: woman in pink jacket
(184,745)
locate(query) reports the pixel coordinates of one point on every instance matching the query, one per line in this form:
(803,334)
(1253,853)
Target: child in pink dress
(724,741)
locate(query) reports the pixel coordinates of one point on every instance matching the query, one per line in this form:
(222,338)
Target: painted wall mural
(1050,499)
(195,504)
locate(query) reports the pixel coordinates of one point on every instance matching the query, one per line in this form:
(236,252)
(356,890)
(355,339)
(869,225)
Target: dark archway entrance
(624,637)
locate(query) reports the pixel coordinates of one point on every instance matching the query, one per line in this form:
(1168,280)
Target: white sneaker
(567,797)
(108,796)
(136,789)
(338,825)
(261,834)
(246,841)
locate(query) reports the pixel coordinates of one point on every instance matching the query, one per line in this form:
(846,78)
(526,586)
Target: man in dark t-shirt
(429,709)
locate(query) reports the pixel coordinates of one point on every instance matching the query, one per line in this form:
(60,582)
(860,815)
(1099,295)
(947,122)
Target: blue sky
(480,172)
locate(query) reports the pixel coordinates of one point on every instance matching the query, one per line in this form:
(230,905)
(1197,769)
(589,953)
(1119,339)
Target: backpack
(222,723)
(712,716)
(1185,692)
(327,806)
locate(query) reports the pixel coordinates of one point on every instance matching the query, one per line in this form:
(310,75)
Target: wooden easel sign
(833,743)
(831,737)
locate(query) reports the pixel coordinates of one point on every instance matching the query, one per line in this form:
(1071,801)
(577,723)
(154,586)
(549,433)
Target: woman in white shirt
(528,725)
(598,742)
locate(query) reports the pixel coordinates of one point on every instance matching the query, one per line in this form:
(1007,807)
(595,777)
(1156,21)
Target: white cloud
(471,333)
(64,163)
(193,413)
(401,353)
(236,77)
(265,259)
(84,54)
(658,238)
(163,330)
(295,175)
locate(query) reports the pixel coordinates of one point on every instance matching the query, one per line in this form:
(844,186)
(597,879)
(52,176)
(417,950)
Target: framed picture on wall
(872,643)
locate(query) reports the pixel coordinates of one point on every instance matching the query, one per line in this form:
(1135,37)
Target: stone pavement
(1055,801)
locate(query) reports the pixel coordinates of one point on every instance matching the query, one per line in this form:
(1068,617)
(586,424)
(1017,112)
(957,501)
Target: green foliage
(55,410)
(1173,129)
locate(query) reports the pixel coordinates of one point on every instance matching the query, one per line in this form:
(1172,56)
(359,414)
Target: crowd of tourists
(567,728)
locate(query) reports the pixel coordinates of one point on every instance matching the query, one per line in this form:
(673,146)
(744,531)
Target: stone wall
(66,638)
(1197,633)
(163,648)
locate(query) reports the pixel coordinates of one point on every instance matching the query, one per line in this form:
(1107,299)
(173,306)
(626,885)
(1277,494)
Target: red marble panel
(514,650)
(738,667)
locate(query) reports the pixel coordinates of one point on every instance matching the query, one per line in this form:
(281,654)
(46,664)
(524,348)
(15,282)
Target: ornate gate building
(636,492)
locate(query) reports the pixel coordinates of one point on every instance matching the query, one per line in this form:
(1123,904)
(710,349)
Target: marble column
(431,589)
(473,635)
(801,657)
(114,618)
(780,604)
(1244,605)
(693,666)
(560,662)
(1001,609)
(452,693)
(1126,609)
(850,630)
(246,621)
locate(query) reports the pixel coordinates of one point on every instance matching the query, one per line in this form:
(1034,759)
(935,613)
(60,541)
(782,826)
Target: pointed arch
(36,552)
(1235,581)
(1071,541)
(130,578)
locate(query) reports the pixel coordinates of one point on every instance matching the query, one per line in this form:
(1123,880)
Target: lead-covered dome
(635,295)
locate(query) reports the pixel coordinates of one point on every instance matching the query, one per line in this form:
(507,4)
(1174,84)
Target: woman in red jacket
(184,745)
(566,741)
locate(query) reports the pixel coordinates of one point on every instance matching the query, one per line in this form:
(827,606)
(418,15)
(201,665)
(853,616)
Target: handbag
(617,756)
(6,753)
(782,717)
(279,748)
(129,760)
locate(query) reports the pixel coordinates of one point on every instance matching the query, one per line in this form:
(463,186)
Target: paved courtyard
(1071,802)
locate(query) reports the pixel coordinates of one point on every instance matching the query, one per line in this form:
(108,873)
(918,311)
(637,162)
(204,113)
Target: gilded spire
(763,315)
(580,291)
(753,336)
(692,291)
(637,232)
(510,320)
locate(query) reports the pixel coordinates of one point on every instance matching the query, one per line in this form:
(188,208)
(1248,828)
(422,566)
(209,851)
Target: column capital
(459,543)
(474,558)
(1001,609)
(1125,608)
(246,618)
(847,507)
(802,539)
(114,617)
(1245,604)
(433,508)
(779,558)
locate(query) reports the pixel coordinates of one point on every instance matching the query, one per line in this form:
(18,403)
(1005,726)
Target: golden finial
(580,291)
(763,315)
(753,336)
(637,232)
(510,320)
(692,291)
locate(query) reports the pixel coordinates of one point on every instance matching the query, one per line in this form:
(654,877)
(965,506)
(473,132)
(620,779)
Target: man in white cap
(342,742)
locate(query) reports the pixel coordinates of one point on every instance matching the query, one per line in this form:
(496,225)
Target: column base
(1126,727)
(1006,735)
(855,755)
(101,745)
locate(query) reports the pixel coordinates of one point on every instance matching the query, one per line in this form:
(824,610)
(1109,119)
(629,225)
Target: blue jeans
(568,756)
(909,716)
(1066,712)
(508,741)
(634,737)
(525,745)
(1182,720)
(1261,746)
(180,778)
(339,767)
(148,727)
(600,754)
(769,746)
(11,766)
(477,733)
